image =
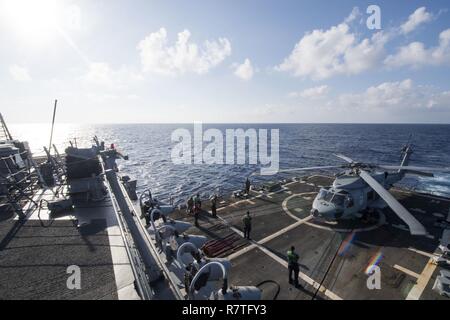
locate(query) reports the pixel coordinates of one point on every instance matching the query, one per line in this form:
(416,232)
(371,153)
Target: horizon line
(222,123)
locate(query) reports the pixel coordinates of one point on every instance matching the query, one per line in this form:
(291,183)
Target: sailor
(293,265)
(157,214)
(147,217)
(247,221)
(247,186)
(197,208)
(196,214)
(146,207)
(197,201)
(111,156)
(189,275)
(190,205)
(214,206)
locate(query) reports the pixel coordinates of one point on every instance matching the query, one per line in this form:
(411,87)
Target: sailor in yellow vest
(293,266)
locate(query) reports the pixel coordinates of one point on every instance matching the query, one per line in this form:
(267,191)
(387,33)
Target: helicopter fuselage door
(358,202)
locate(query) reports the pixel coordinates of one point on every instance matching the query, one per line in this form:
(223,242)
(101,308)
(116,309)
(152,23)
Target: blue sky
(224,61)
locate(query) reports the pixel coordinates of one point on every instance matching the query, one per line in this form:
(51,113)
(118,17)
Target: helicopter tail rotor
(415,168)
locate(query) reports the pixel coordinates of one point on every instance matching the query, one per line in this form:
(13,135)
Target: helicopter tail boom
(406,152)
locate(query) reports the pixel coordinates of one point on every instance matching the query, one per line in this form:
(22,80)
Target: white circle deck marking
(285,201)
(381,220)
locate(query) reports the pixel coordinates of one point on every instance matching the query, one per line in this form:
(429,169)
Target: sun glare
(36,20)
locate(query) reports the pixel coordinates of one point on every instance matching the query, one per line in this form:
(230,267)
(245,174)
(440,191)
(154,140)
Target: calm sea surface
(149,148)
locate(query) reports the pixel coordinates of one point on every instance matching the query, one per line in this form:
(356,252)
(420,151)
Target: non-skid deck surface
(35,253)
(334,257)
(34,260)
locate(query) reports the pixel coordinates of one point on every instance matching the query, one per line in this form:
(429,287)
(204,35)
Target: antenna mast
(53,124)
(6,132)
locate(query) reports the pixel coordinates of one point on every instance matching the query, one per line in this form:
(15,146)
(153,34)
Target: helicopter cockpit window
(325,195)
(338,199)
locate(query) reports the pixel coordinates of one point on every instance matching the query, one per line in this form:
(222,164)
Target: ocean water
(149,148)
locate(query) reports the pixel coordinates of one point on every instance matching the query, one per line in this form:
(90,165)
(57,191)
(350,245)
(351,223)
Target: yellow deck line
(407,271)
(276,234)
(422,281)
(268,238)
(241,252)
(259,245)
(301,275)
(426,254)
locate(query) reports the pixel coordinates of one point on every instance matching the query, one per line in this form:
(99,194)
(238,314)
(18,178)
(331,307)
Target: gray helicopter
(363,186)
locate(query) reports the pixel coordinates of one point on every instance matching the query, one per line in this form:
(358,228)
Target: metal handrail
(125,236)
(173,284)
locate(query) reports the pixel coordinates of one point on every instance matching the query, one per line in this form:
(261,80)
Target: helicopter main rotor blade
(414,168)
(311,168)
(345,158)
(255,173)
(420,173)
(415,227)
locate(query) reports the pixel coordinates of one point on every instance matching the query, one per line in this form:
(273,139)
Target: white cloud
(394,101)
(244,71)
(101,74)
(19,73)
(312,93)
(182,57)
(417,18)
(399,95)
(323,54)
(415,54)
(384,95)
(353,15)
